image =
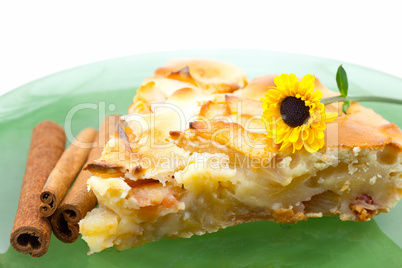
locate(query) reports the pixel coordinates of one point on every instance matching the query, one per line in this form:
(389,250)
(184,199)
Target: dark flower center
(294,111)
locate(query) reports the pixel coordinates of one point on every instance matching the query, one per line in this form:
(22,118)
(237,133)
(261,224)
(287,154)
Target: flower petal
(299,144)
(305,134)
(307,84)
(294,136)
(330,116)
(319,134)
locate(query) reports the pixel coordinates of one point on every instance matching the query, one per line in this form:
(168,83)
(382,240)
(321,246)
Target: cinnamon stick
(31,232)
(66,170)
(79,200)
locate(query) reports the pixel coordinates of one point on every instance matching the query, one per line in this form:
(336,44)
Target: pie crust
(192,157)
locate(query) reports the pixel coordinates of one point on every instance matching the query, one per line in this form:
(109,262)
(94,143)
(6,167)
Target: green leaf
(342,81)
(345,106)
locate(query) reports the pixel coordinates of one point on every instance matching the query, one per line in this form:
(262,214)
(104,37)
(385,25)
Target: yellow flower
(296,117)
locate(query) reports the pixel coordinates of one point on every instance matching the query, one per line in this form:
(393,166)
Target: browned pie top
(209,89)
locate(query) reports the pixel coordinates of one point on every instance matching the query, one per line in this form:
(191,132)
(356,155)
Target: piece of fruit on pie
(194,156)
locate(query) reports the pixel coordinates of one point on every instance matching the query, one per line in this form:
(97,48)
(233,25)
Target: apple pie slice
(193,156)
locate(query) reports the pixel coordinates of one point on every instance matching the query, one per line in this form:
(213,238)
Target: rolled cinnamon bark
(66,170)
(79,200)
(31,232)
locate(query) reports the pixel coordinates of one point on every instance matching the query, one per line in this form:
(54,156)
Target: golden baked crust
(193,157)
(213,76)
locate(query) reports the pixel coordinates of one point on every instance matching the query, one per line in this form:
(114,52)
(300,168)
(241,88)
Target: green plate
(86,94)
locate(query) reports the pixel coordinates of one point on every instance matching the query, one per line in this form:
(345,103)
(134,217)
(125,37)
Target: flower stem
(359,98)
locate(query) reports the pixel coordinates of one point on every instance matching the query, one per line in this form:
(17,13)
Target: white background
(38,38)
